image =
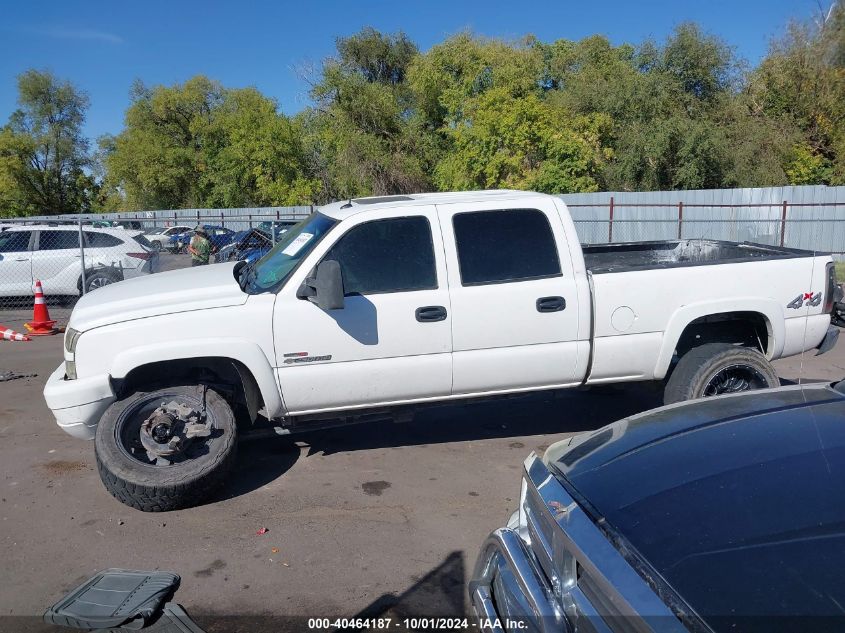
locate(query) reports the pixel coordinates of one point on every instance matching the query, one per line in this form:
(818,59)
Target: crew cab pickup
(378,305)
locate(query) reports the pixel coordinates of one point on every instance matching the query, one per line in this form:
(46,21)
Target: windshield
(271,271)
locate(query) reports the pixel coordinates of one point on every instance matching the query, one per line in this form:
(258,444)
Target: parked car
(248,246)
(52,254)
(380,304)
(159,236)
(723,515)
(276,226)
(218,236)
(135,225)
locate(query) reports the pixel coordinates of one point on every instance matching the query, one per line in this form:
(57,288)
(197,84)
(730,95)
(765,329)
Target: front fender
(242,350)
(685,315)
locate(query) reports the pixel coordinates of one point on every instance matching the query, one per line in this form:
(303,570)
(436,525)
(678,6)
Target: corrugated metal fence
(236,219)
(799,217)
(810,217)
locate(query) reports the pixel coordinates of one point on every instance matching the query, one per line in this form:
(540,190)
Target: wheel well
(749,329)
(230,377)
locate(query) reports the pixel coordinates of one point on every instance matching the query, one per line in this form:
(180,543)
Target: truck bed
(612,258)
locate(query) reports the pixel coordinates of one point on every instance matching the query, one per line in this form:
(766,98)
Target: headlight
(71,337)
(70,370)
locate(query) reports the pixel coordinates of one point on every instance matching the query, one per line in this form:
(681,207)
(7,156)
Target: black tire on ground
(697,372)
(161,488)
(156,245)
(98,279)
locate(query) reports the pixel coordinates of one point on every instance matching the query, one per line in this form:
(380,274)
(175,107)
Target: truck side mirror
(326,288)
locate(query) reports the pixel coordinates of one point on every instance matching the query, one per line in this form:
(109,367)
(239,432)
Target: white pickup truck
(378,305)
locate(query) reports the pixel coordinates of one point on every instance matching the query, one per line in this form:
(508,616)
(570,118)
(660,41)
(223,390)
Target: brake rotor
(169,431)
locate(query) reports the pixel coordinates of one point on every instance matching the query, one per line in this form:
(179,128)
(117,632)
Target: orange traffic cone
(7,334)
(41,325)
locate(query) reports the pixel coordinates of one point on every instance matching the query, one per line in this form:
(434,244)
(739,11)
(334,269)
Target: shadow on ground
(441,593)
(545,413)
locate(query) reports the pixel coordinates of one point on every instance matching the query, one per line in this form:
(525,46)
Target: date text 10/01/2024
(414,623)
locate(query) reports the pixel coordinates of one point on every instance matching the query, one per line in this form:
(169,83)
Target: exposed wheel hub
(163,428)
(170,429)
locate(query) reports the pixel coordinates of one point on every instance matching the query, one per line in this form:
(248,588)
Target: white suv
(159,236)
(52,254)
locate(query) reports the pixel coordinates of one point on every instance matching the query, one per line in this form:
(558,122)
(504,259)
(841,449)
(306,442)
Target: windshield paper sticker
(298,242)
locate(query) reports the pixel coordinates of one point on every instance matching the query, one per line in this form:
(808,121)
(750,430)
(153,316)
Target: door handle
(551,304)
(22,260)
(431,314)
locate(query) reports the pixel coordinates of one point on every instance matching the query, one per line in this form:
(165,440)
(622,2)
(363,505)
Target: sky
(103,46)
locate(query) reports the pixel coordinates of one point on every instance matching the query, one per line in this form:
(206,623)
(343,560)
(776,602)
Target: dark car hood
(654,428)
(736,503)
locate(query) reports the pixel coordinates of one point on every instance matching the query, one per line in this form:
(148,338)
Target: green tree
(447,78)
(801,84)
(253,155)
(157,159)
(485,100)
(43,153)
(703,65)
(199,144)
(363,136)
(522,143)
(680,115)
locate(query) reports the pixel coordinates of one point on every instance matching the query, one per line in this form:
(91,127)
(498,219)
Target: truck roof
(346,208)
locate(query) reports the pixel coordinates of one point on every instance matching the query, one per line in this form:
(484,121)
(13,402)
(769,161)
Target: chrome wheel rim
(99,282)
(734,379)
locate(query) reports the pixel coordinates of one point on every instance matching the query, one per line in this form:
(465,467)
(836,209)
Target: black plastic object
(551,304)
(114,598)
(430,314)
(173,620)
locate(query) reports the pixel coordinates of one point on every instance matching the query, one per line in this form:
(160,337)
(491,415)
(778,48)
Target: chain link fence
(73,257)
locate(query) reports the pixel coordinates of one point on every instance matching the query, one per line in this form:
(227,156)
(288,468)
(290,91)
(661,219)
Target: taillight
(830,290)
(144,256)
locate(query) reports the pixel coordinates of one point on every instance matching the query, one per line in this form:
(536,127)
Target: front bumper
(78,404)
(829,340)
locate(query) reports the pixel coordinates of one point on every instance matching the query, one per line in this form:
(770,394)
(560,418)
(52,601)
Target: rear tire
(98,280)
(717,369)
(133,480)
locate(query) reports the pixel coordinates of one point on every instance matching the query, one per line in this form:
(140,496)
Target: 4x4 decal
(808,299)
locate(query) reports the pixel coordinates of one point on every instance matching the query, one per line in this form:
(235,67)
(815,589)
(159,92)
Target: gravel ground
(368,520)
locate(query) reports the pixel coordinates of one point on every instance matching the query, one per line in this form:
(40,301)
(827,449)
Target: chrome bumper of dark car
(506,545)
(556,571)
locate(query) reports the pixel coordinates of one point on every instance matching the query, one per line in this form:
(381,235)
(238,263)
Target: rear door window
(391,255)
(503,246)
(101,240)
(14,241)
(58,240)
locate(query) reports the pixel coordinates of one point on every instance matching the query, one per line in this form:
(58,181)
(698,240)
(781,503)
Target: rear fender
(769,308)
